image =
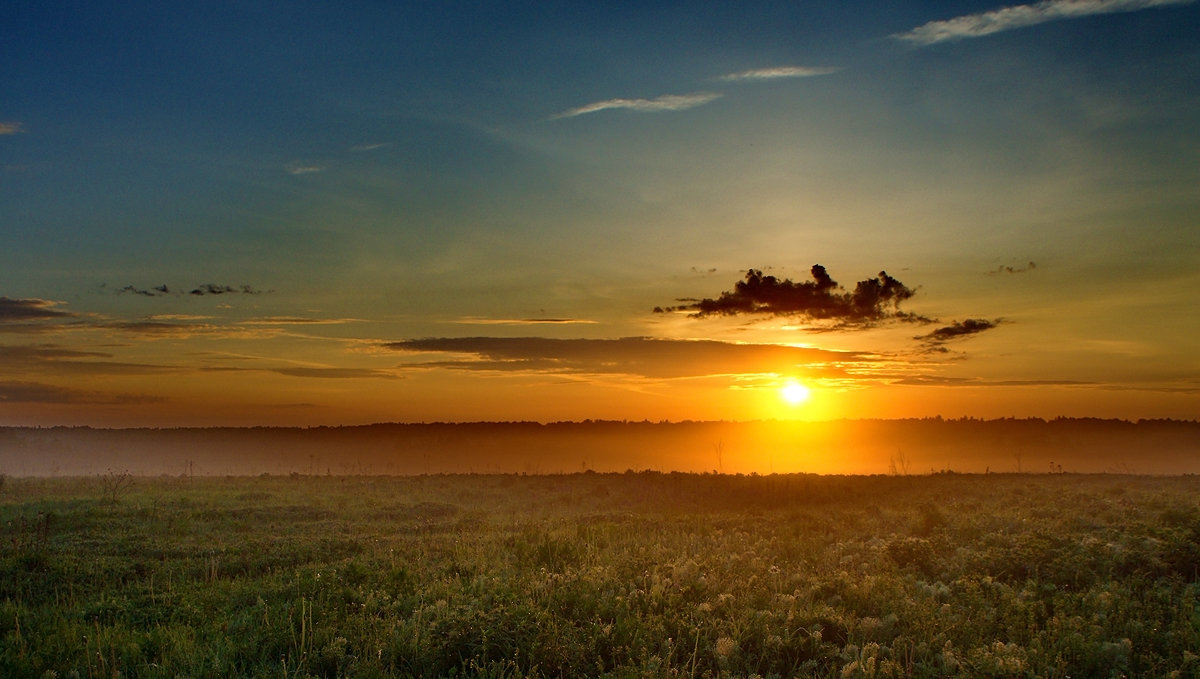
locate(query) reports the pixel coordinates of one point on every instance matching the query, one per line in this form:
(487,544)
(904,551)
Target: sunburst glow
(795,393)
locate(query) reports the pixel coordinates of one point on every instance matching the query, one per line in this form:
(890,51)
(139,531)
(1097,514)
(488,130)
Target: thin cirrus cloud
(298,169)
(1021,16)
(778,72)
(634,356)
(11,127)
(666,102)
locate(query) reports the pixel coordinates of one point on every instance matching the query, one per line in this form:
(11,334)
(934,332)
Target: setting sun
(795,393)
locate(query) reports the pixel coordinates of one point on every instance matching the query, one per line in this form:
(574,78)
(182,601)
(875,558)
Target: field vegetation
(600,575)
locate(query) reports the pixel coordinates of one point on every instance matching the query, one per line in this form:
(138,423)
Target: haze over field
(295,214)
(894,447)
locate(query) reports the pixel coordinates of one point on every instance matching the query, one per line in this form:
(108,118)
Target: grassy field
(584,575)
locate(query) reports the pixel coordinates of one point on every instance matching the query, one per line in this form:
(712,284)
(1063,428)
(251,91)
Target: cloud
(778,72)
(472,320)
(297,320)
(1020,16)
(667,102)
(54,359)
(11,127)
(200,290)
(29,309)
(335,373)
(369,147)
(873,299)
(1013,269)
(160,328)
(33,392)
(933,381)
(297,169)
(957,330)
(636,356)
(152,292)
(213,289)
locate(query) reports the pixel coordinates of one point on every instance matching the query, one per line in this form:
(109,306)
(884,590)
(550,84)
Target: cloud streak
(34,392)
(778,72)
(11,127)
(957,330)
(635,356)
(472,320)
(56,360)
(18,310)
(667,102)
(873,299)
(296,169)
(1021,16)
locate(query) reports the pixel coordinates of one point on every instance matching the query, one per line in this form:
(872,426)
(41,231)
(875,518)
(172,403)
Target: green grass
(616,575)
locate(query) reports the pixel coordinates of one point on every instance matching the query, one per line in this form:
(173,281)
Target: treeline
(913,446)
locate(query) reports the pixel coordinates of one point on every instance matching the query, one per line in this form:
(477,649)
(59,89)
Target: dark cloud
(1007,269)
(957,330)
(199,290)
(641,356)
(214,289)
(158,291)
(873,299)
(33,392)
(15,310)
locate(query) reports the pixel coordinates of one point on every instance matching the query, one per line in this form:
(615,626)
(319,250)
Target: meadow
(600,575)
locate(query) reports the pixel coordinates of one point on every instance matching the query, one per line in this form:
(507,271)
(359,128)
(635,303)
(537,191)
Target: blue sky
(351,177)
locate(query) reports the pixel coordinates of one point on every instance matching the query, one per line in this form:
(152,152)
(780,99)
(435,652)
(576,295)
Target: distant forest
(914,446)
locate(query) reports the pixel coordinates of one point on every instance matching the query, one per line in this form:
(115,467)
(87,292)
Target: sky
(301,213)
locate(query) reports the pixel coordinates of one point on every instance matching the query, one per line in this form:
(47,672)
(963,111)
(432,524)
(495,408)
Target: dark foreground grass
(591,575)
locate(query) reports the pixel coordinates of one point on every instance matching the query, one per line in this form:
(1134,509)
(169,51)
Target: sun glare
(794,393)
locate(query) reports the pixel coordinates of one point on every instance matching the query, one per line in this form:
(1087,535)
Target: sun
(794,393)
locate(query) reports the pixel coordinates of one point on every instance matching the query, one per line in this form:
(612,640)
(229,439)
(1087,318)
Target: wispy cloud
(934,381)
(667,102)
(335,373)
(777,72)
(56,360)
(1010,269)
(11,127)
(635,356)
(34,392)
(473,320)
(29,309)
(369,147)
(956,330)
(297,168)
(1020,16)
(298,320)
